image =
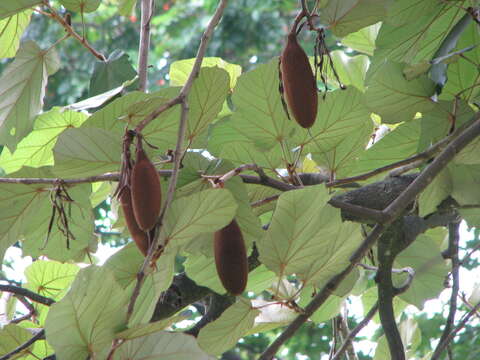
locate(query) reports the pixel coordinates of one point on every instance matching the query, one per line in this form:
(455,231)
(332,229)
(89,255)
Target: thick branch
(17,290)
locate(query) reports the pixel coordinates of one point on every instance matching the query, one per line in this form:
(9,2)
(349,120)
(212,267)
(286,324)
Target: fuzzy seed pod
(231,258)
(146,192)
(299,83)
(140,237)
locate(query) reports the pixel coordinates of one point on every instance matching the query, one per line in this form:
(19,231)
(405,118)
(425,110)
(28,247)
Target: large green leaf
(86,151)
(260,279)
(350,69)
(161,346)
(437,191)
(223,333)
(36,149)
(81,5)
(329,309)
(11,337)
(397,145)
(395,98)
(50,278)
(226,142)
(180,70)
(80,224)
(18,206)
(202,270)
(303,226)
(22,87)
(259,114)
(10,8)
(93,311)
(341,130)
(463,77)
(417,40)
(202,212)
(205,99)
(466,182)
(11,29)
(348,16)
(424,256)
(363,40)
(110,73)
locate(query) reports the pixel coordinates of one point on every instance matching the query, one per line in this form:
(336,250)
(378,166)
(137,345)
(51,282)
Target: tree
(366,202)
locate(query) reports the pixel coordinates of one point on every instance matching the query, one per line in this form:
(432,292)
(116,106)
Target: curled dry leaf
(231,258)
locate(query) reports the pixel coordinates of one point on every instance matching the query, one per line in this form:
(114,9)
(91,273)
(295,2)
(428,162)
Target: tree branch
(144,47)
(452,253)
(17,290)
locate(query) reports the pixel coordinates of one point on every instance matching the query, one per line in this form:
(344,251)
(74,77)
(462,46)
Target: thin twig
(144,46)
(453,238)
(39,336)
(441,346)
(178,154)
(17,290)
(264,201)
(54,15)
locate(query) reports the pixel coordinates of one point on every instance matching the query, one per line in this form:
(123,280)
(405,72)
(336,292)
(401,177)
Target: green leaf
(259,114)
(124,264)
(469,155)
(350,69)
(396,99)
(148,329)
(10,8)
(329,309)
(11,30)
(202,212)
(260,279)
(36,149)
(162,345)
(437,191)
(203,271)
(411,339)
(111,73)
(397,145)
(206,98)
(18,205)
(363,40)
(466,182)
(463,77)
(226,142)
(80,224)
(341,131)
(125,7)
(370,297)
(424,256)
(223,333)
(11,337)
(416,33)
(86,151)
(179,70)
(84,6)
(50,278)
(348,16)
(22,88)
(154,284)
(92,311)
(471,216)
(304,225)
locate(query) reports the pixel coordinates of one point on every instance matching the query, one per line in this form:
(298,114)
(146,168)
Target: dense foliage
(363,207)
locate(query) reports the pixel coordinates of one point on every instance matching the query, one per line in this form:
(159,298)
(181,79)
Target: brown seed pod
(299,82)
(231,258)
(140,237)
(146,192)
